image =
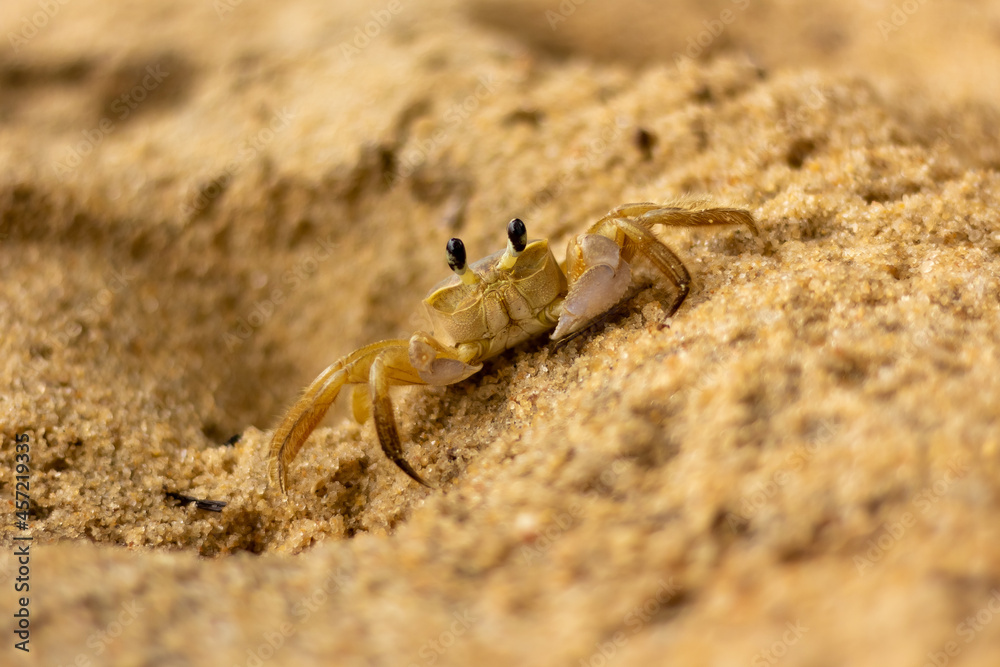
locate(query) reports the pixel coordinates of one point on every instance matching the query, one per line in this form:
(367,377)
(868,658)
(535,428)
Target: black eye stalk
(456,260)
(456,255)
(517,241)
(517,234)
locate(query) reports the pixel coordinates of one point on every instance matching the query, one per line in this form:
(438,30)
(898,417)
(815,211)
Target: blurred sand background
(203,204)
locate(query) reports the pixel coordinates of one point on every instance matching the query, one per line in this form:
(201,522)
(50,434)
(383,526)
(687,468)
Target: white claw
(438,371)
(601,286)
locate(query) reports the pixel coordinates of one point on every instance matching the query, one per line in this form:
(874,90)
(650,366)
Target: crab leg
(597,262)
(385,422)
(390,357)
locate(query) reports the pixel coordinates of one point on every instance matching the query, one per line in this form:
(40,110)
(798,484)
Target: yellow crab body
(504,308)
(492,305)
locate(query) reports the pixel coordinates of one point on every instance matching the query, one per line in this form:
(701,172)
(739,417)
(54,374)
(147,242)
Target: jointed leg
(439,365)
(629,225)
(597,262)
(309,410)
(688,214)
(385,421)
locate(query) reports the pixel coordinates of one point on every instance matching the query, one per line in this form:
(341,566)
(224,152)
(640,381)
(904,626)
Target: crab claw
(599,278)
(429,359)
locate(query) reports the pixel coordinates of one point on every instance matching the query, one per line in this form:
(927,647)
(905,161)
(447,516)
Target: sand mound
(203,205)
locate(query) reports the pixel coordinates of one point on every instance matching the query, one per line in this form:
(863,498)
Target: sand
(202,205)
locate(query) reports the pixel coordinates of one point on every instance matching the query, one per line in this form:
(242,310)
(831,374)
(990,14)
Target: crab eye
(456,255)
(517,234)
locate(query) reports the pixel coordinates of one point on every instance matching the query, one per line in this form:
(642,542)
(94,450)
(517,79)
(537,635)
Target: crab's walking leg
(309,410)
(597,262)
(381,377)
(677,216)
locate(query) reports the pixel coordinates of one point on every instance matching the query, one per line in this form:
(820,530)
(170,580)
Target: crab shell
(502,309)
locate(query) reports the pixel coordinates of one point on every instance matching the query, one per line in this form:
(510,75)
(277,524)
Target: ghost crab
(492,305)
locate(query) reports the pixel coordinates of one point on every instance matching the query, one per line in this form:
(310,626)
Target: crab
(492,305)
